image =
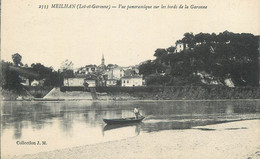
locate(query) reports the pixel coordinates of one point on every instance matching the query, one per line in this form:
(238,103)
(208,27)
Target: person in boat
(136,111)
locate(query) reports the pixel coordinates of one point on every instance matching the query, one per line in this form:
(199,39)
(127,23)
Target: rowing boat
(109,127)
(123,120)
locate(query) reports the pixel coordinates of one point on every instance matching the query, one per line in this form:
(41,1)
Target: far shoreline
(131,100)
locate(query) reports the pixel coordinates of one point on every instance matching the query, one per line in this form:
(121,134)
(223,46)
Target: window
(127,81)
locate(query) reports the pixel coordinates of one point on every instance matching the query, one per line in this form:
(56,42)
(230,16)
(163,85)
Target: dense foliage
(206,59)
(50,76)
(17,59)
(9,78)
(12,73)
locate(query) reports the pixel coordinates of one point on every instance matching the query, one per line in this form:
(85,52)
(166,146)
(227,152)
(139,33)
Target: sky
(125,37)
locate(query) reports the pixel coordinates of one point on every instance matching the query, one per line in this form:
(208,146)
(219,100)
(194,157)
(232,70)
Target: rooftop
(134,76)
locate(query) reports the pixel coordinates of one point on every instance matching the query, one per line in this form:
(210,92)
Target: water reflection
(17,130)
(77,123)
(16,115)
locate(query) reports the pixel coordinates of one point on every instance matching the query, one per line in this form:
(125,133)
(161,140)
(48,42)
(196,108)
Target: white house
(37,82)
(79,81)
(180,47)
(132,81)
(111,82)
(25,81)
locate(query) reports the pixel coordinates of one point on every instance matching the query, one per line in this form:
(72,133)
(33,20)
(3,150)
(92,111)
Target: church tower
(103,60)
(102,66)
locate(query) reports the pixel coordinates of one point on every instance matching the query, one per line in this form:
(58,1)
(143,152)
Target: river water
(64,124)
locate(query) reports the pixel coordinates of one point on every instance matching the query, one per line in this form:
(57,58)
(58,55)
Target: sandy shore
(230,140)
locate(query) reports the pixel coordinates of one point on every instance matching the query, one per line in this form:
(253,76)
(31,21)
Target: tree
(17,58)
(188,39)
(147,68)
(171,49)
(160,52)
(67,65)
(228,55)
(215,57)
(161,60)
(51,77)
(9,78)
(157,79)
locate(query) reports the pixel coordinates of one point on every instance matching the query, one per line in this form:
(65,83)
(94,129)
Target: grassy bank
(179,93)
(148,93)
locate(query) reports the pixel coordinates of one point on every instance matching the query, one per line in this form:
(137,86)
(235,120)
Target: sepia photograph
(130,79)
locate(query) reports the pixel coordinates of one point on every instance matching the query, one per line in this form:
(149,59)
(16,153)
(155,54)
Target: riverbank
(170,92)
(229,140)
(136,93)
(179,93)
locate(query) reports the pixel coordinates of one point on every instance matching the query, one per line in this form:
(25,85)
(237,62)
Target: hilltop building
(180,46)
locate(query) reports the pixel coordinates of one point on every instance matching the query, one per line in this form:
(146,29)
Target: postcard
(130,79)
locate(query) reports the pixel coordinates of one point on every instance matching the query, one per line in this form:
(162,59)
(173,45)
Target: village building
(25,81)
(38,82)
(130,71)
(111,82)
(88,69)
(103,76)
(80,81)
(92,69)
(132,81)
(111,66)
(180,46)
(115,73)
